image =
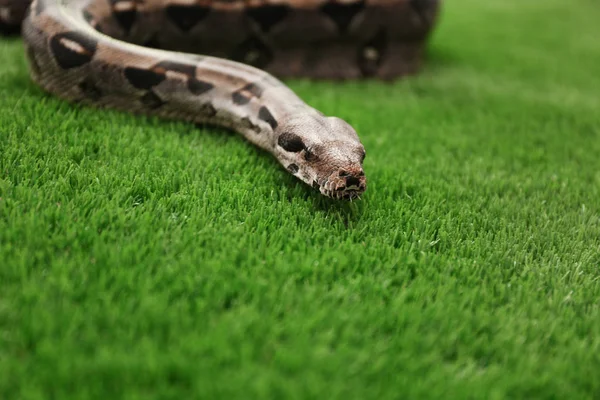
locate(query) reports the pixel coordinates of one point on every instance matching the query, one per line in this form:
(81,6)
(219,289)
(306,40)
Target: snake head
(324,152)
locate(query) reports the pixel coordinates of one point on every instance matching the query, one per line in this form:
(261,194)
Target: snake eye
(291,142)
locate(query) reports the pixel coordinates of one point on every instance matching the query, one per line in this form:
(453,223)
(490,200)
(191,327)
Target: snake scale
(215,62)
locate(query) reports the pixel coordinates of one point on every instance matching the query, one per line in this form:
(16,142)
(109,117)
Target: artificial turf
(149,259)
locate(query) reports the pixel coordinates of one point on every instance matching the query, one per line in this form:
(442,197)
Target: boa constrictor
(135,55)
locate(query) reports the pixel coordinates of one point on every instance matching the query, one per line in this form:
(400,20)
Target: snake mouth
(343,194)
(344,187)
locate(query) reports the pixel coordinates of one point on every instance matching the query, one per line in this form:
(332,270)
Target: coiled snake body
(110,53)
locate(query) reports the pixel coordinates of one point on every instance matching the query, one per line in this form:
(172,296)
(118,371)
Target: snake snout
(351,178)
(352,181)
(349,183)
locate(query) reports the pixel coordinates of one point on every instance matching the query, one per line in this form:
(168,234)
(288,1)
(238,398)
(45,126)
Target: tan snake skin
(109,53)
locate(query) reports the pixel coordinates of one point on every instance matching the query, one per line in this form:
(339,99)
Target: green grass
(150,259)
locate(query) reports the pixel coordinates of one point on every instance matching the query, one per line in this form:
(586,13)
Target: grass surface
(151,259)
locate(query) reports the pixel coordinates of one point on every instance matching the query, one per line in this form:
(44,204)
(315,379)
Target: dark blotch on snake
(186,17)
(186,69)
(291,142)
(142,78)
(254,89)
(70,56)
(125,12)
(239,99)
(268,16)
(266,116)
(151,100)
(197,87)
(244,95)
(293,168)
(126,18)
(342,14)
(208,110)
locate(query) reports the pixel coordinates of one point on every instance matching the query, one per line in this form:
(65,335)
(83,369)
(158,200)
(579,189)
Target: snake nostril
(351,181)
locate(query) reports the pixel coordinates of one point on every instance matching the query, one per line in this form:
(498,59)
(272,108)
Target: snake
(219,62)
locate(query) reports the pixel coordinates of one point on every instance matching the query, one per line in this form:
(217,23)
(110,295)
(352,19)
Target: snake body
(111,53)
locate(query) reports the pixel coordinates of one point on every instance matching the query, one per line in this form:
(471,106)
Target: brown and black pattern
(142,78)
(342,14)
(287,39)
(147,78)
(245,94)
(268,16)
(265,115)
(188,71)
(353,39)
(185,17)
(125,12)
(72,49)
(198,87)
